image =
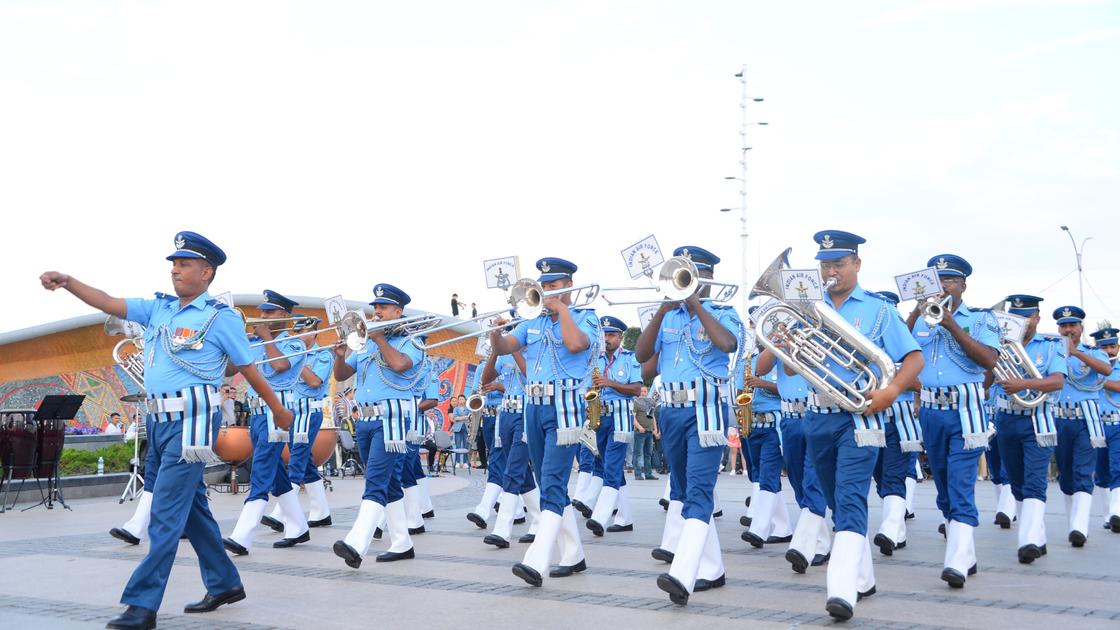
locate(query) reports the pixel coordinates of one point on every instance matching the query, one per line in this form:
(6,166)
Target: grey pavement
(61,569)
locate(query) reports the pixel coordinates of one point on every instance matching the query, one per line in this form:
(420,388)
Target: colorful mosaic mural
(102,387)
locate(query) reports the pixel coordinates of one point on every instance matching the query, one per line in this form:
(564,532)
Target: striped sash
(566,398)
(395,416)
(711,413)
(909,430)
(622,411)
(510,405)
(276,434)
(967,399)
(199,416)
(301,424)
(1090,411)
(868,429)
(1042,420)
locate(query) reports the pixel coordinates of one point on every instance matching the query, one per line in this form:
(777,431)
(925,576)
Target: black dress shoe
(820,558)
(393,556)
(664,503)
(429,514)
(412,531)
(125,535)
(272,523)
(1003,520)
(477,520)
(868,593)
(347,553)
(941,530)
(745,521)
(748,501)
(704,585)
(527,573)
(527,539)
(953,577)
(774,540)
(886,545)
(211,602)
(133,618)
(1114,524)
(797,561)
(519,521)
(662,555)
(582,508)
(901,545)
(496,540)
(1042,550)
(377,533)
(678,594)
(234,547)
(718,514)
(323,522)
(595,527)
(1077,539)
(651,478)
(562,571)
(614,529)
(1028,554)
(972,570)
(910,515)
(284,543)
(838,608)
(754,539)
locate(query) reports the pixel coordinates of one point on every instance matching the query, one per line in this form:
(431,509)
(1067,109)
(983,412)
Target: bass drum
(321,450)
(18,440)
(234,445)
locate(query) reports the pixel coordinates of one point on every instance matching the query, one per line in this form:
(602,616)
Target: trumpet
(129,352)
(933,308)
(677,280)
(815,335)
(1013,360)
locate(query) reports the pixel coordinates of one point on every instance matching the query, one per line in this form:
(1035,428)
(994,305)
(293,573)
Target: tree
(630,338)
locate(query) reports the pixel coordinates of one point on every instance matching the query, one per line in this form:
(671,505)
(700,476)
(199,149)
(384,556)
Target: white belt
(764,419)
(175,405)
(823,404)
(793,407)
(1006,405)
(512,404)
(540,390)
(1112,417)
(369,412)
(678,397)
(256,403)
(1072,412)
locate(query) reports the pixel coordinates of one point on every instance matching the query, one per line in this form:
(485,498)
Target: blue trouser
(587,462)
(404,470)
(799,466)
(1075,456)
(843,467)
(552,462)
(269,472)
(300,467)
(495,457)
(953,467)
(179,507)
(912,466)
(693,468)
(515,474)
(890,466)
(461,443)
(643,453)
(767,452)
(383,484)
(1108,458)
(1026,463)
(612,464)
(996,470)
(752,461)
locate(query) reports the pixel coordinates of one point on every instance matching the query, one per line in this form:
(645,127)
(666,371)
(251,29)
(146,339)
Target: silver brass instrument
(933,308)
(677,280)
(353,329)
(129,352)
(814,334)
(1013,360)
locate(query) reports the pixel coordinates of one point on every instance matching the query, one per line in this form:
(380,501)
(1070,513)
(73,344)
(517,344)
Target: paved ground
(60,569)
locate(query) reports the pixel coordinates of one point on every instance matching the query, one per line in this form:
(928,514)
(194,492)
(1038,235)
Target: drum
(321,450)
(52,436)
(234,445)
(18,440)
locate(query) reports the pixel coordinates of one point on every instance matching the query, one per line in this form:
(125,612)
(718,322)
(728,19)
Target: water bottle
(100,466)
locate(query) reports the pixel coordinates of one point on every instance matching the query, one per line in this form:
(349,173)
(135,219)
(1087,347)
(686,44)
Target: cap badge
(379,291)
(1017,302)
(685,254)
(1066,312)
(545,267)
(180,242)
(827,242)
(942,263)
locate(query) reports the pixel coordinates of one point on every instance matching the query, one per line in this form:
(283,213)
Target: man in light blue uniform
(427,399)
(495,456)
(281,361)
(620,379)
(191,342)
(1079,422)
(904,441)
(691,344)
(561,345)
(954,428)
(1108,458)
(506,375)
(311,393)
(388,370)
(844,445)
(770,522)
(1026,435)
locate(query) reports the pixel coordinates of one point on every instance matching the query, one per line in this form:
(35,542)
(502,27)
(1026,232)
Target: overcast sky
(330,146)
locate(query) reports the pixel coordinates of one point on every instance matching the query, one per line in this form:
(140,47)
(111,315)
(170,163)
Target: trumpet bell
(352,330)
(678,278)
(527,298)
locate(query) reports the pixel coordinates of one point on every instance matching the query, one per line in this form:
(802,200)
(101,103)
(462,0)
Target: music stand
(52,412)
(135,485)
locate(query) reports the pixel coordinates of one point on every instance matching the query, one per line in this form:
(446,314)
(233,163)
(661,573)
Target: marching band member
(690,344)
(191,342)
(496,456)
(269,474)
(904,439)
(770,521)
(427,399)
(311,390)
(135,528)
(619,380)
(957,352)
(842,444)
(589,481)
(1027,436)
(560,347)
(388,369)
(1079,423)
(1108,458)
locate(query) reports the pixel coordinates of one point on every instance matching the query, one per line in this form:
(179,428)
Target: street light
(1078,252)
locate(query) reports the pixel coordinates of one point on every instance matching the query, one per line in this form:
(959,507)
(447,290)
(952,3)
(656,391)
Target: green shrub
(77,462)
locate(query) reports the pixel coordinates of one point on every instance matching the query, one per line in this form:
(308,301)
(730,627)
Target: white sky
(330,146)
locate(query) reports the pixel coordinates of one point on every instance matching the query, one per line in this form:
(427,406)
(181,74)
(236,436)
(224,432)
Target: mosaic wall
(102,387)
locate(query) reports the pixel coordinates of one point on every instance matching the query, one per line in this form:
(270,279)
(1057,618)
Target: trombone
(353,330)
(526,298)
(677,280)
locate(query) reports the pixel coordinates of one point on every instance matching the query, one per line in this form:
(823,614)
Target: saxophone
(594,403)
(743,400)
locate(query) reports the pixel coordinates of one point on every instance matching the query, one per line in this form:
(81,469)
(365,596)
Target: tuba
(129,352)
(814,335)
(1013,360)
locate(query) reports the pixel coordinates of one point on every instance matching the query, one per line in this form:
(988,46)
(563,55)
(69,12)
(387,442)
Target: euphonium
(743,400)
(1013,360)
(131,359)
(594,402)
